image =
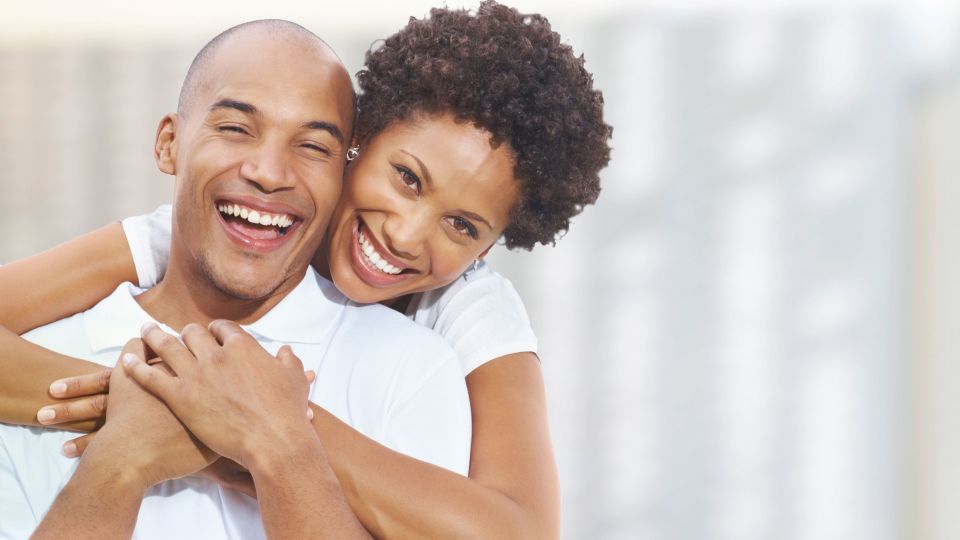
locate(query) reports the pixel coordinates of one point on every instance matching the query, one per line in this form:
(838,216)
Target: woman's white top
(480,314)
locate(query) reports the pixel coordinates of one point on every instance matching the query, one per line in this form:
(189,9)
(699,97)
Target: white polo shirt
(392,380)
(480,314)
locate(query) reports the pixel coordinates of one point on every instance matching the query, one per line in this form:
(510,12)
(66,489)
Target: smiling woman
(425,198)
(472,127)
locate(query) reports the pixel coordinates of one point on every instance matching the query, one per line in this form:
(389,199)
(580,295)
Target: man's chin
(248,284)
(250,289)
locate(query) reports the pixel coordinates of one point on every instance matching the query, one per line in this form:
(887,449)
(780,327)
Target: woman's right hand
(83,397)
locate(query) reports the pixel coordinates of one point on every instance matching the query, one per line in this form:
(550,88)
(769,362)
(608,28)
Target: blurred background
(747,337)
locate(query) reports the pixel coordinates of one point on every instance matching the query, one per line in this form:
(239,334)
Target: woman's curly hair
(507,73)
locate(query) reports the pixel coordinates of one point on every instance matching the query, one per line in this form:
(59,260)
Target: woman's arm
(38,290)
(512,490)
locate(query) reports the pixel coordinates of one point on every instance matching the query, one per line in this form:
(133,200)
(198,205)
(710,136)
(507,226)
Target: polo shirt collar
(305,315)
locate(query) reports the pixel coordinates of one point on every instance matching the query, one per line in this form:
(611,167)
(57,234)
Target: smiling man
(257,151)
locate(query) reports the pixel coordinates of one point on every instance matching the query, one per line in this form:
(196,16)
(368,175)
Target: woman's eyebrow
(429,182)
(423,169)
(476,217)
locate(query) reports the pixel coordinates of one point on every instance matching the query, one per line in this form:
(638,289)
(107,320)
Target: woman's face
(424,198)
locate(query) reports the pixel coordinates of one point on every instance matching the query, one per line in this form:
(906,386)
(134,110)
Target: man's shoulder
(384,327)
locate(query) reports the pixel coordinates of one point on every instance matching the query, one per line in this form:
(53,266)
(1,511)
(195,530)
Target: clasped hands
(217,394)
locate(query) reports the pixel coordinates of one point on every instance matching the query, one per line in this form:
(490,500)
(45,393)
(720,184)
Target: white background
(751,335)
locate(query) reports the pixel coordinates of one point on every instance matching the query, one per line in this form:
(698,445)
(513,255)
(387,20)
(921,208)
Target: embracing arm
(512,490)
(111,513)
(44,288)
(102,499)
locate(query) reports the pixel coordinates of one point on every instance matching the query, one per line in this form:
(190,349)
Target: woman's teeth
(374,258)
(257,218)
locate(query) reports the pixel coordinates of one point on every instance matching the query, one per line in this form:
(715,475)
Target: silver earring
(476,263)
(353,153)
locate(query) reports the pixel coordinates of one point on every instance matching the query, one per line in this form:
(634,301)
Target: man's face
(258,163)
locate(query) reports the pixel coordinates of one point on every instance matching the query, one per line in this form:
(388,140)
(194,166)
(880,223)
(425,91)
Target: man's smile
(257,226)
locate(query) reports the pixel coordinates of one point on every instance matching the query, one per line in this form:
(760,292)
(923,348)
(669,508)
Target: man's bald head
(266,114)
(275,29)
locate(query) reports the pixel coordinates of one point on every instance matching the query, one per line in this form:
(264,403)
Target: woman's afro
(509,74)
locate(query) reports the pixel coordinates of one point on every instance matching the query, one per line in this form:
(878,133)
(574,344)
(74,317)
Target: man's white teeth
(374,258)
(275,220)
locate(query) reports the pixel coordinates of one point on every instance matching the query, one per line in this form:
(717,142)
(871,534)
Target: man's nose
(267,166)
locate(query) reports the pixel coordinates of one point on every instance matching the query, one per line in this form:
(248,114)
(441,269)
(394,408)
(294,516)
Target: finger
(200,342)
(152,378)
(75,447)
(225,331)
(82,385)
(167,347)
(311,375)
(84,408)
(288,359)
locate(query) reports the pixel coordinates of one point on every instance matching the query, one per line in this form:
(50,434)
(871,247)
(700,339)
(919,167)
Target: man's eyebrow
(236,105)
(325,126)
(247,108)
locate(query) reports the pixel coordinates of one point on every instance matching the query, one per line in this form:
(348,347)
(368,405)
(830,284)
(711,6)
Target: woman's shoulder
(480,289)
(480,314)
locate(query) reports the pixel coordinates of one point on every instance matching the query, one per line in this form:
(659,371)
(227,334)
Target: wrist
(123,478)
(272,456)
(119,466)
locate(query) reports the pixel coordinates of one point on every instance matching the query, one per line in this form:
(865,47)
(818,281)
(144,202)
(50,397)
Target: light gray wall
(749,336)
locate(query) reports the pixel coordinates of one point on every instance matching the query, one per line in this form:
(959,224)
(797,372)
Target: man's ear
(165,146)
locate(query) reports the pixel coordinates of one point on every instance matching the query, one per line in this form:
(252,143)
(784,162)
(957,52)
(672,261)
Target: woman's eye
(463,226)
(409,179)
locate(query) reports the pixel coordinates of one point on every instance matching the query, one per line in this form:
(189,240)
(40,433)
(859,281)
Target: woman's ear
(165,146)
(484,252)
(353,149)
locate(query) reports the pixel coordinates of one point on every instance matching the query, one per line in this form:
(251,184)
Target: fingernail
(147,326)
(69,449)
(129,358)
(46,414)
(309,413)
(58,388)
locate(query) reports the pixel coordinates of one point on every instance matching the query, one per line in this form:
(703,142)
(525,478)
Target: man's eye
(233,129)
(316,148)
(463,226)
(408,178)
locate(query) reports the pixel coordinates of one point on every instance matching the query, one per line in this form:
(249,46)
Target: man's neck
(182,298)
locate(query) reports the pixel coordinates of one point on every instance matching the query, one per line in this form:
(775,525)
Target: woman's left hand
(83,397)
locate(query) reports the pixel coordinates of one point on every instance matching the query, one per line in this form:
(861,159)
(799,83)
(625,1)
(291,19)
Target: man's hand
(142,444)
(236,397)
(141,437)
